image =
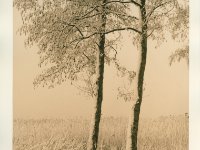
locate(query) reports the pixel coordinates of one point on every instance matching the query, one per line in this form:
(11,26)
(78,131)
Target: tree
(94,129)
(54,28)
(155,17)
(71,39)
(132,130)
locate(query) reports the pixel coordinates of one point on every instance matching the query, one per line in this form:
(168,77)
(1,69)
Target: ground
(163,133)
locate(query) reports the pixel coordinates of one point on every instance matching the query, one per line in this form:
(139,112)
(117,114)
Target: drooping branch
(179,54)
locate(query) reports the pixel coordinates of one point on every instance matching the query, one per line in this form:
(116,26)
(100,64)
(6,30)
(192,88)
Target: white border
(6,71)
(194,76)
(6,78)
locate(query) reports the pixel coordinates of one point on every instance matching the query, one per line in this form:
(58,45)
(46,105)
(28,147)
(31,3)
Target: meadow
(163,133)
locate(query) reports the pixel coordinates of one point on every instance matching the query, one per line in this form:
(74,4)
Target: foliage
(180,54)
(54,27)
(66,33)
(180,31)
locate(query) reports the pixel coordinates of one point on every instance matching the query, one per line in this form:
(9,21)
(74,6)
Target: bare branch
(87,13)
(111,31)
(124,2)
(121,29)
(114,50)
(137,4)
(89,16)
(123,15)
(86,56)
(76,28)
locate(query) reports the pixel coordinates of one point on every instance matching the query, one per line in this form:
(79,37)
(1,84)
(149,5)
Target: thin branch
(86,56)
(156,7)
(115,51)
(123,15)
(77,44)
(126,2)
(137,4)
(87,13)
(72,25)
(151,32)
(121,29)
(83,89)
(84,38)
(89,16)
(111,31)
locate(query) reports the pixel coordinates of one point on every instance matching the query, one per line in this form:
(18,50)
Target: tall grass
(164,133)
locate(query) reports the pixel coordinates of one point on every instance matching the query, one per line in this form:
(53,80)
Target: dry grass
(166,133)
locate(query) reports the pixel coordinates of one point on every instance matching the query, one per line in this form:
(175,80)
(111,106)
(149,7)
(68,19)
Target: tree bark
(96,116)
(132,130)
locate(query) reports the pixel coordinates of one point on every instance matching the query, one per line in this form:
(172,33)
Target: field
(163,133)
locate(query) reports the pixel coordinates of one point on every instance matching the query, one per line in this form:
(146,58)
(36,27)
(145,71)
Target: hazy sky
(166,88)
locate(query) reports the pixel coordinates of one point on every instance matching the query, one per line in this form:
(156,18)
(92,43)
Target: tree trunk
(96,116)
(132,130)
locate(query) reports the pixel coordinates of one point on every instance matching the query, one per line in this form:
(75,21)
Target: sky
(166,87)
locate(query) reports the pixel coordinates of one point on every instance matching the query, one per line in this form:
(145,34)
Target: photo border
(194,75)
(6,74)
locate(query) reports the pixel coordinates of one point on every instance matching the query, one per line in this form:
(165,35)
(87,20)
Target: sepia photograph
(99,75)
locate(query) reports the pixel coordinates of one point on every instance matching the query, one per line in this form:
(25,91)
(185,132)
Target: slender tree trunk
(132,130)
(96,116)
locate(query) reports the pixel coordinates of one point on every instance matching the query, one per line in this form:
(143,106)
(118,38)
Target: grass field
(164,133)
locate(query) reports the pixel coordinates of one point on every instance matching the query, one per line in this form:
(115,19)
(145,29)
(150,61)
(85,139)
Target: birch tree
(71,40)
(156,17)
